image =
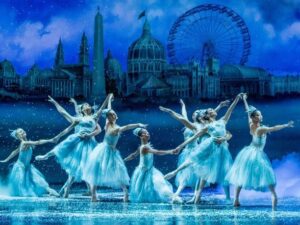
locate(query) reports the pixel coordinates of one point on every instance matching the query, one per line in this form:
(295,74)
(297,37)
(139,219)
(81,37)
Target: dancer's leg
(125,190)
(66,188)
(274,196)
(94,193)
(199,190)
(45,157)
(195,191)
(181,167)
(227,191)
(52,192)
(236,202)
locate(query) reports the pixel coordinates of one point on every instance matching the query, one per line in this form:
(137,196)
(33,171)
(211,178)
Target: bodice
(111,140)
(259,141)
(25,156)
(86,124)
(217,128)
(146,160)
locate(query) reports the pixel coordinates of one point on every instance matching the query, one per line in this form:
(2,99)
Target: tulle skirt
(72,154)
(26,181)
(252,170)
(212,161)
(149,185)
(187,177)
(106,168)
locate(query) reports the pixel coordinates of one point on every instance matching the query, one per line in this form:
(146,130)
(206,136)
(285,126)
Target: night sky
(30,29)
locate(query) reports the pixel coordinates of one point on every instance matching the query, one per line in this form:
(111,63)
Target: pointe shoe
(41,157)
(54,193)
(274,203)
(236,204)
(177,200)
(191,201)
(168,176)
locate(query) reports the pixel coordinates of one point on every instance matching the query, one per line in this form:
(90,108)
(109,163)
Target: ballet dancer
(252,169)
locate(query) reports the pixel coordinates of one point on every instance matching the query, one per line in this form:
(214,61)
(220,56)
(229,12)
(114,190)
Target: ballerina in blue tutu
(211,158)
(24,179)
(252,169)
(188,176)
(72,153)
(147,183)
(106,167)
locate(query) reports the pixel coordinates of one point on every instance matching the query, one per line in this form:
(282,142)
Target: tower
(59,57)
(98,79)
(84,51)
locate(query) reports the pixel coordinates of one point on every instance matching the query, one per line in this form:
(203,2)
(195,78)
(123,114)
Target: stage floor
(78,210)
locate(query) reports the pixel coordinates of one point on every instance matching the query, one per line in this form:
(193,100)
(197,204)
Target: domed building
(8,77)
(113,75)
(145,62)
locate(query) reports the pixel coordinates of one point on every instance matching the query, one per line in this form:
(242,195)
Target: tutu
(212,161)
(105,165)
(187,176)
(252,169)
(24,179)
(148,183)
(72,153)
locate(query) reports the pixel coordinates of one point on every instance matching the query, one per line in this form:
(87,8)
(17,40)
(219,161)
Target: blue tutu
(24,179)
(212,161)
(148,183)
(72,153)
(105,165)
(252,169)
(187,177)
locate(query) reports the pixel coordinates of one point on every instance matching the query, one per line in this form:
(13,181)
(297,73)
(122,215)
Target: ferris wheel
(207,31)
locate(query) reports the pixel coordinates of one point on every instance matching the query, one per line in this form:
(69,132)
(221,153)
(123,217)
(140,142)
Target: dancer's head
(210,114)
(142,133)
(110,115)
(255,115)
(198,116)
(86,109)
(18,134)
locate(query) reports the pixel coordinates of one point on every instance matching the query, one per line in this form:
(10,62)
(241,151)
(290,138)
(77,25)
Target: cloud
(292,31)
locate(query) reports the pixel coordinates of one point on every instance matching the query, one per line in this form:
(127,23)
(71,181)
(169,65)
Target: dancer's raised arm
(76,106)
(179,118)
(183,109)
(12,155)
(61,110)
(221,105)
(51,140)
(262,130)
(247,108)
(104,104)
(130,127)
(231,108)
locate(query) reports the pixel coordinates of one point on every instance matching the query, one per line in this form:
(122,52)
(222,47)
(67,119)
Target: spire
(146,28)
(98,86)
(84,50)
(59,58)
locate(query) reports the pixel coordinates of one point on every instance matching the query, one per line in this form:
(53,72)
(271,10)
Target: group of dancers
(204,159)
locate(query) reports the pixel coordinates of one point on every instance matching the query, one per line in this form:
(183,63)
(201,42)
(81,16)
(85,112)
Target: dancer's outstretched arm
(52,140)
(104,104)
(179,118)
(262,130)
(183,109)
(132,155)
(110,99)
(146,150)
(12,155)
(130,127)
(227,115)
(197,135)
(61,110)
(92,134)
(77,111)
(221,105)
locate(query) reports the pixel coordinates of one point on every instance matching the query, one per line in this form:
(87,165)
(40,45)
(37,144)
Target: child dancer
(106,167)
(24,179)
(213,153)
(148,183)
(252,168)
(72,153)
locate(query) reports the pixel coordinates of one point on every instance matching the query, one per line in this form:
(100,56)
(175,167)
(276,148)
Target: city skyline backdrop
(30,30)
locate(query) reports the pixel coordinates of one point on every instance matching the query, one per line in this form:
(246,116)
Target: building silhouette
(148,75)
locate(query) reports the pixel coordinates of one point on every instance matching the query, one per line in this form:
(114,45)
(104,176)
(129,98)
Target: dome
(146,55)
(7,69)
(241,72)
(112,67)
